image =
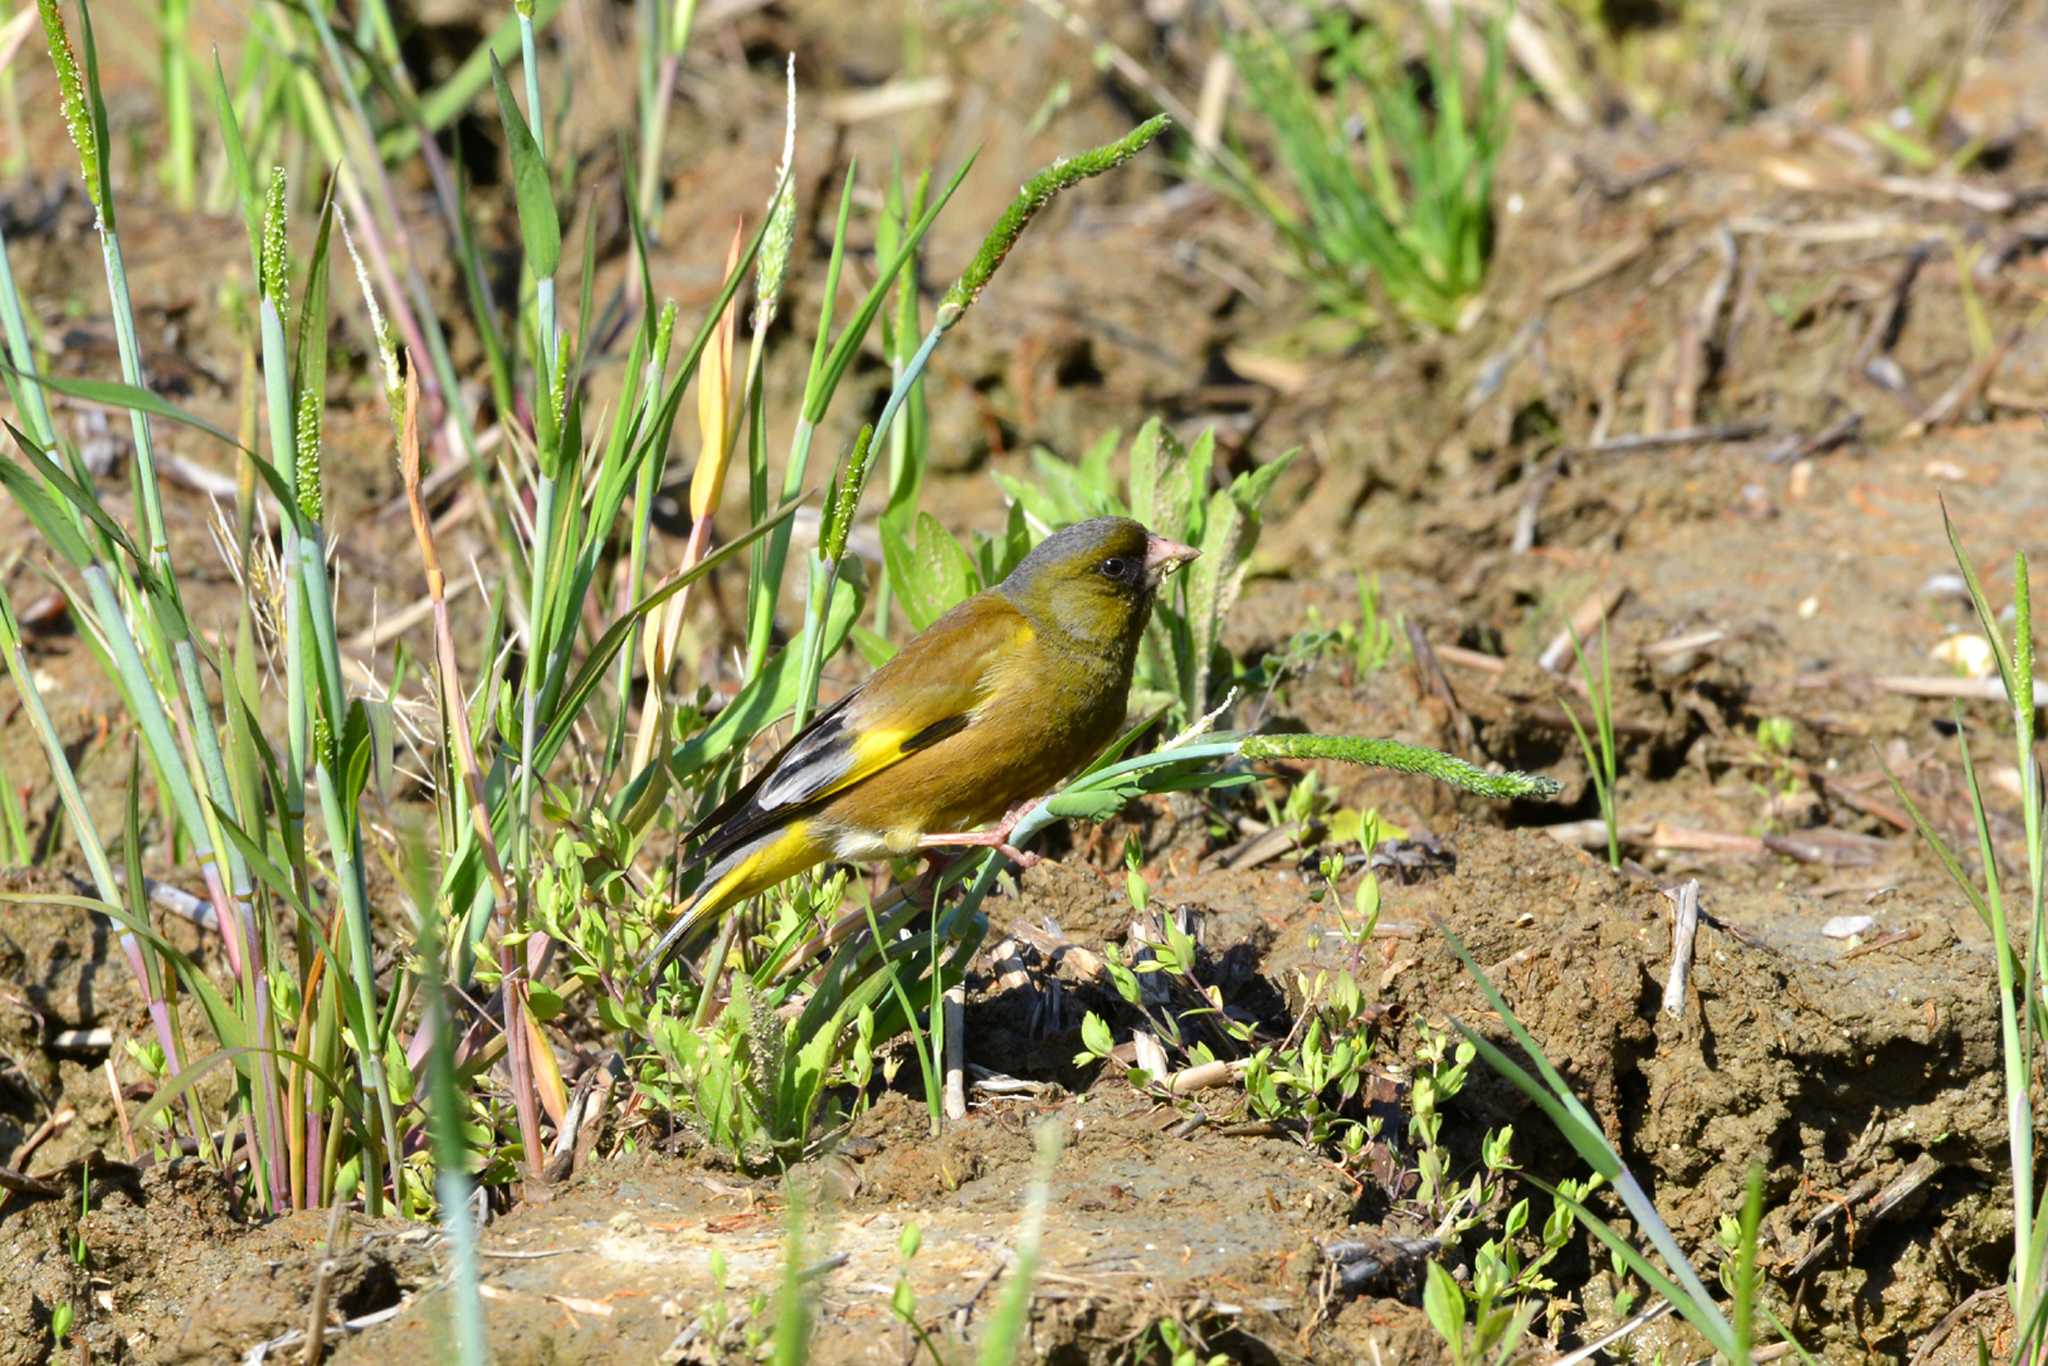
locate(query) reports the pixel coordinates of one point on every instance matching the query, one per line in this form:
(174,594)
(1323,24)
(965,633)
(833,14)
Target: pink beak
(1162,557)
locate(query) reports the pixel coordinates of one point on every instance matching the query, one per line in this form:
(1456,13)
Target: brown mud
(1701,274)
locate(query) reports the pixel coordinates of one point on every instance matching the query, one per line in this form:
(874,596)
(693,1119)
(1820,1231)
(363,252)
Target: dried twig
(1471,659)
(1592,833)
(1696,341)
(1970,1303)
(1968,386)
(1684,927)
(1524,539)
(316,1311)
(1883,941)
(1797,447)
(1633,1325)
(1266,846)
(1614,188)
(955,1016)
(1434,679)
(1891,320)
(42,1133)
(387,629)
(1868,229)
(1149,1052)
(1687,839)
(1683,436)
(1983,198)
(260,1353)
(18,1182)
(1583,622)
(121,1114)
(82,1040)
(1883,1202)
(1685,644)
(1969,689)
(1620,256)
(1494,370)
(1205,1075)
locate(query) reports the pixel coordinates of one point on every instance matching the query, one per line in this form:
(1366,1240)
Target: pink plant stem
(159,1018)
(519,1061)
(275,1154)
(693,555)
(422,1040)
(224,909)
(313,1156)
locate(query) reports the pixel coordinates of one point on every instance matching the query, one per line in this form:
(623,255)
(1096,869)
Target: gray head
(1094,580)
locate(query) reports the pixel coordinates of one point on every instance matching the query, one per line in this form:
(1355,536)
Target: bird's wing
(928,691)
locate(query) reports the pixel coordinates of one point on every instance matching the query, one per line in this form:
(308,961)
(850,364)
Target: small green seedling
(1600,758)
(903,1300)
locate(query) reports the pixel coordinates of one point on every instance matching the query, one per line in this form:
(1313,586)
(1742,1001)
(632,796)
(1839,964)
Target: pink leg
(997,838)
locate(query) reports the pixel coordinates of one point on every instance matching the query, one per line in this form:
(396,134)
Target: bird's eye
(1115,567)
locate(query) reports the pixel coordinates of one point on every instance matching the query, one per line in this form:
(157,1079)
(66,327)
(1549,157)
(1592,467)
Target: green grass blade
(1007,1329)
(540,229)
(1697,1310)
(129,398)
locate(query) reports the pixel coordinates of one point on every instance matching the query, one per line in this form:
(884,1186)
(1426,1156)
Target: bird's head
(1095,580)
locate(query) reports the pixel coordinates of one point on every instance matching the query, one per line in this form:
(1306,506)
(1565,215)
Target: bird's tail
(752,866)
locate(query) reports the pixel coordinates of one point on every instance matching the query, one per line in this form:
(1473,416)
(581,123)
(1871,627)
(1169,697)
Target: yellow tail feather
(789,852)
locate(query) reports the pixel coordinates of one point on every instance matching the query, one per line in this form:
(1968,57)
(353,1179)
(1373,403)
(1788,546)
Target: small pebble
(1849,926)
(1968,653)
(1945,586)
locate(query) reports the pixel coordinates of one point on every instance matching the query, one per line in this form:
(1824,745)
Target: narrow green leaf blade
(539,227)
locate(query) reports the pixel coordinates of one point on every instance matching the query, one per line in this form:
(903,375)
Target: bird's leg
(997,838)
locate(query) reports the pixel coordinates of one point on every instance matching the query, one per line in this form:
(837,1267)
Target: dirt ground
(1798,331)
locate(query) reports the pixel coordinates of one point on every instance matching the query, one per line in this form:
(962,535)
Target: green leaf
(356,754)
(1167,482)
(43,507)
(930,575)
(240,175)
(1091,804)
(828,371)
(1039,504)
(1096,1036)
(875,650)
(539,228)
(1445,1305)
(947,566)
(114,394)
(899,563)
(1704,1316)
(598,663)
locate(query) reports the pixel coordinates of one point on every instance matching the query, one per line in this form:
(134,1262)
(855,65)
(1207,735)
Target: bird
(977,716)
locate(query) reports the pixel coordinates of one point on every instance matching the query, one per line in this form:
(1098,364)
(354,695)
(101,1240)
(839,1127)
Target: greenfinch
(982,712)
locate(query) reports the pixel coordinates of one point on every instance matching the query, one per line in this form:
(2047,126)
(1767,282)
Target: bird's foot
(997,837)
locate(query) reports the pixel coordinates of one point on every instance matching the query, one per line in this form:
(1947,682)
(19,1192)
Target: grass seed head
(276,262)
(781,233)
(71,99)
(306,475)
(1035,194)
